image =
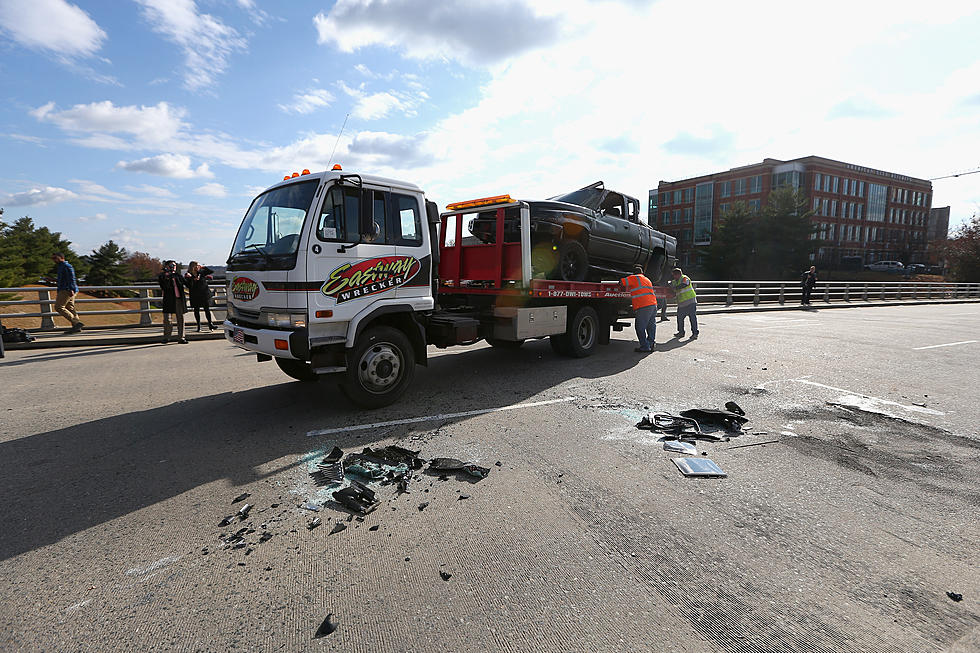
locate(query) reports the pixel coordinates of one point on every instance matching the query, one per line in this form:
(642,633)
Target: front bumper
(263,341)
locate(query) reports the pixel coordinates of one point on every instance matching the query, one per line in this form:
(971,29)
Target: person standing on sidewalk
(196,279)
(687,302)
(644,308)
(64,304)
(174,301)
(809,281)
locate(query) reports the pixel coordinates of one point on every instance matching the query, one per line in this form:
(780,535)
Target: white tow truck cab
(350,277)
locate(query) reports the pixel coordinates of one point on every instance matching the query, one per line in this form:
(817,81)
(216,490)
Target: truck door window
(380,235)
(339,216)
(409,221)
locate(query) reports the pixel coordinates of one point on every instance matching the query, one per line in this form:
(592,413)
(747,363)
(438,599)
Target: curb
(96,341)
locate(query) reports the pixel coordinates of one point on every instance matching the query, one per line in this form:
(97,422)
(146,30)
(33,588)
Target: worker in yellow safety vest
(687,302)
(644,308)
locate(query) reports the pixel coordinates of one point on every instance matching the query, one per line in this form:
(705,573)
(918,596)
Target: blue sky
(153,122)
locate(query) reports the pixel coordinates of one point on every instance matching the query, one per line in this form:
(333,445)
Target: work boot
(679,334)
(641,350)
(694,336)
(182,341)
(165,341)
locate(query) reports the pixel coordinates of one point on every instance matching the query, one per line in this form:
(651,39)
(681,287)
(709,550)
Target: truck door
(408,232)
(347,269)
(613,233)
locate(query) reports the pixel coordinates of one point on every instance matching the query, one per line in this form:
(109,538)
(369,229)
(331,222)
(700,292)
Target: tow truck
(351,277)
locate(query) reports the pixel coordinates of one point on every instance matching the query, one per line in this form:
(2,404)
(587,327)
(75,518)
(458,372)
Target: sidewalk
(149,335)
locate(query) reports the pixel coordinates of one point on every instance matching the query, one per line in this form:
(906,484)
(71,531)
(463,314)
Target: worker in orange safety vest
(644,308)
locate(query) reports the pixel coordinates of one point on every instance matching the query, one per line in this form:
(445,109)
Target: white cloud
(91,188)
(98,217)
(373,106)
(142,125)
(38,197)
(309,101)
(25,138)
(52,26)
(129,238)
(213,189)
(155,191)
(480,31)
(205,41)
(177,166)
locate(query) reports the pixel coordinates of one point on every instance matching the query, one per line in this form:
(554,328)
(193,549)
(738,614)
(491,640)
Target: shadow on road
(65,481)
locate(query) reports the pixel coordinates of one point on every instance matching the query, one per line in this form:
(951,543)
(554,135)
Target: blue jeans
(689,311)
(646,326)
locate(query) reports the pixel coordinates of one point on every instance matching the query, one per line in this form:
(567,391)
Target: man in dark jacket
(809,280)
(174,301)
(64,304)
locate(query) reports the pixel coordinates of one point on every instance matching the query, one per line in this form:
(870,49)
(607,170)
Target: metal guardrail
(146,296)
(727,293)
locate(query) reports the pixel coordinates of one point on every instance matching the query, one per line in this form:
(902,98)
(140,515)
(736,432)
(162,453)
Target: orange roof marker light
(294,175)
(306,171)
(285,178)
(485,201)
(336,166)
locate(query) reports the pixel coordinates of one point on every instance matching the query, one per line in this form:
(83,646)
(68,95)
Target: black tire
(505,344)
(299,370)
(656,266)
(559,344)
(379,368)
(573,261)
(583,332)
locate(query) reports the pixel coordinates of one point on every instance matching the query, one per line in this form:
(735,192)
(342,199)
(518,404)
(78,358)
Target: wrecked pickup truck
(588,234)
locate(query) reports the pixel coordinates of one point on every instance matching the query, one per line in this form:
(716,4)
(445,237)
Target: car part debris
(955,596)
(446,464)
(734,408)
(423,506)
(753,444)
(357,497)
(498,464)
(241,497)
(445,575)
(325,628)
(329,474)
(309,505)
(338,527)
(723,418)
(313,523)
(701,467)
(676,446)
(375,527)
(243,512)
(403,485)
(265,537)
(226,520)
(665,422)
(462,496)
(476,471)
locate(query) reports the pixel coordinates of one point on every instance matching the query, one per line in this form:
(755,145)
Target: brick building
(937,233)
(861,214)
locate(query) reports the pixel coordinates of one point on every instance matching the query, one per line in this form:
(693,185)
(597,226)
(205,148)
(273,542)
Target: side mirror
(366,214)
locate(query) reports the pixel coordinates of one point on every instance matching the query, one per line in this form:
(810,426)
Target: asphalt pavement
(117,464)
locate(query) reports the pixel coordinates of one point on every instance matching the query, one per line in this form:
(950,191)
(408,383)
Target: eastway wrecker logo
(244,289)
(370,277)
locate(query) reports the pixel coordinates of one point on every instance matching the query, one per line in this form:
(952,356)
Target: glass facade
(703,200)
(792,178)
(877,198)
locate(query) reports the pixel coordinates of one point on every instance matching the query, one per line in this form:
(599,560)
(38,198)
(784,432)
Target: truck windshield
(590,198)
(273,225)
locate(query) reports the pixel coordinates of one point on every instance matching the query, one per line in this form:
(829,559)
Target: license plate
(239,336)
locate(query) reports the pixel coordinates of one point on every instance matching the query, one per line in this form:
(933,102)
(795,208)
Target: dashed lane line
(946,344)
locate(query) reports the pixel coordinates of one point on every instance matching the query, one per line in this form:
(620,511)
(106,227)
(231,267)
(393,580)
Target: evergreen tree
(25,253)
(107,267)
(731,249)
(783,229)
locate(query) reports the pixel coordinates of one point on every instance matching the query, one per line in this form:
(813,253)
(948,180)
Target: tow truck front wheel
(380,368)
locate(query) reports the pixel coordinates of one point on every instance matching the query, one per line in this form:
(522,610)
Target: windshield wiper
(259,249)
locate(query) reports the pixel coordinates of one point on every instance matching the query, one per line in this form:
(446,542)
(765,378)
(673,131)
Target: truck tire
(583,332)
(573,261)
(299,370)
(656,266)
(505,344)
(380,367)
(559,344)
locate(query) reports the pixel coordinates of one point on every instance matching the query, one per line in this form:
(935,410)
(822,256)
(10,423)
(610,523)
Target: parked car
(895,267)
(914,268)
(591,233)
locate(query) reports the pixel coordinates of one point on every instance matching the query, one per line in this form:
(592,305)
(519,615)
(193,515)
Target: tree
(107,266)
(963,252)
(25,253)
(143,267)
(730,252)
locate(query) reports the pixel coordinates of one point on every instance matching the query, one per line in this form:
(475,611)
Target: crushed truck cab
(349,278)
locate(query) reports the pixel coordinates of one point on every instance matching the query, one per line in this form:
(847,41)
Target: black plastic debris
(265,537)
(325,628)
(374,528)
(462,496)
(446,464)
(330,471)
(244,510)
(313,523)
(423,506)
(724,418)
(226,520)
(445,575)
(338,527)
(357,498)
(476,471)
(731,406)
(334,456)
(955,596)
(241,497)
(667,423)
(498,464)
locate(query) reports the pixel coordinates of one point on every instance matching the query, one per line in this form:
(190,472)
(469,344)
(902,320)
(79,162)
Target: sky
(154,122)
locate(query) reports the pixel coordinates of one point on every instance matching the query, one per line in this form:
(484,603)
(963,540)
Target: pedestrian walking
(196,279)
(687,302)
(644,308)
(64,303)
(174,301)
(809,280)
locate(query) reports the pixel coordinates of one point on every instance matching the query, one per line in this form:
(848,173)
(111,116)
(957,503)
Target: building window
(677,197)
(755,184)
(833,208)
(860,189)
(726,189)
(723,209)
(877,198)
(754,205)
(665,217)
(825,208)
(827,181)
(836,184)
(816,205)
(740,186)
(688,214)
(686,234)
(816,181)
(677,216)
(703,202)
(688,194)
(665,199)
(860,210)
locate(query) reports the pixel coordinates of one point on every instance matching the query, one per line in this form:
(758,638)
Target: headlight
(286,320)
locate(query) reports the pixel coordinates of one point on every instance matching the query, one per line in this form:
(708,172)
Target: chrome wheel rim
(380,367)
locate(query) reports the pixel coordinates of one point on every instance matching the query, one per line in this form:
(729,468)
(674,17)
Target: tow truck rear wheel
(582,336)
(299,370)
(380,368)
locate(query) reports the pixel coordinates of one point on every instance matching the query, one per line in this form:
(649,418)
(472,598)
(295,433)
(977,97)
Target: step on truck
(350,278)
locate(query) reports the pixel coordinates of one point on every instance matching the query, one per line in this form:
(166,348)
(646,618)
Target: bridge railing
(145,298)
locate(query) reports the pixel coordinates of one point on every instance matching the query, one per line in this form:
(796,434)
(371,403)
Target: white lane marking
(947,344)
(961,314)
(433,418)
(784,325)
(914,409)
